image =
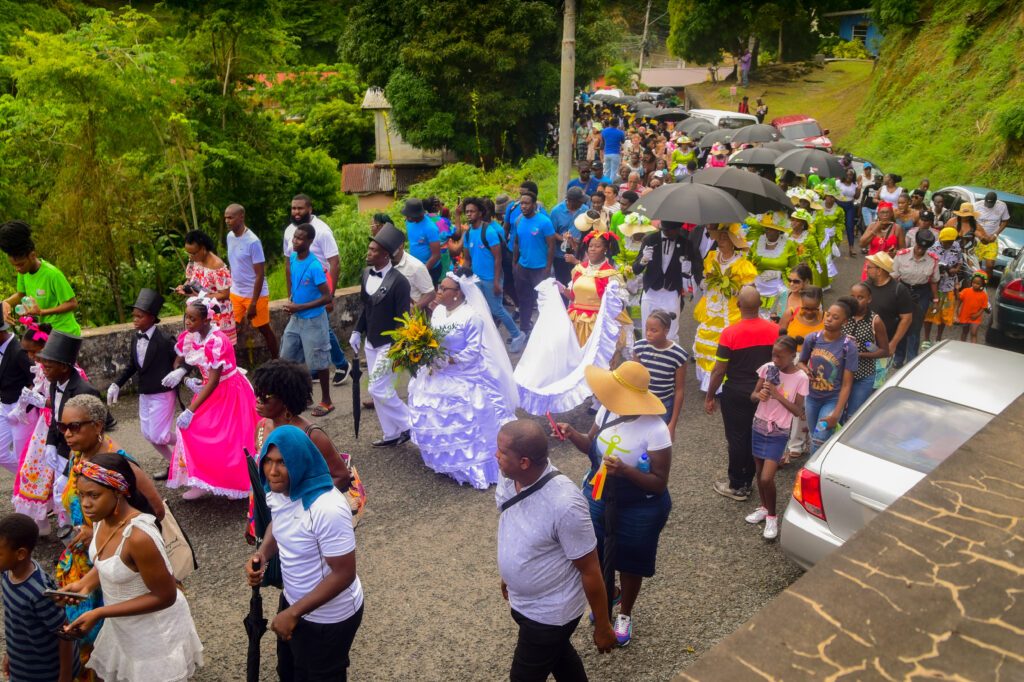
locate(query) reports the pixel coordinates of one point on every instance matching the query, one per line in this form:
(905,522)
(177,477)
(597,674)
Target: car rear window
(912,429)
(798,131)
(734,123)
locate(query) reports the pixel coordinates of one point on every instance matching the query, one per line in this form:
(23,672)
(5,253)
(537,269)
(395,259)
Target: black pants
(545,649)
(316,651)
(526,280)
(563,270)
(738,417)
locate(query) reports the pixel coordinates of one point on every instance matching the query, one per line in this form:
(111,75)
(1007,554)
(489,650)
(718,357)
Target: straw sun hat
(624,390)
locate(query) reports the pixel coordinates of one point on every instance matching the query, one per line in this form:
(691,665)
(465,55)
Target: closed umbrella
(696,126)
(755,156)
(722,135)
(671,114)
(357,403)
(811,162)
(254,622)
(755,134)
(781,145)
(755,193)
(688,202)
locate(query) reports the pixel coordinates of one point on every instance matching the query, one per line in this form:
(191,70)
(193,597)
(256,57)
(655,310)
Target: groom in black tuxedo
(671,267)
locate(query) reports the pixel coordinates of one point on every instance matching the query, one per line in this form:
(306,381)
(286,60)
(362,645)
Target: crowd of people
(607,287)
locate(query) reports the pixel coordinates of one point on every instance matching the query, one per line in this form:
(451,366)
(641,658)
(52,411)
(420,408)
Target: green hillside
(947,98)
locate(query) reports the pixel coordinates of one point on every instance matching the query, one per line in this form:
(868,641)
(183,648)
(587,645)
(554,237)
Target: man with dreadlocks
(42,289)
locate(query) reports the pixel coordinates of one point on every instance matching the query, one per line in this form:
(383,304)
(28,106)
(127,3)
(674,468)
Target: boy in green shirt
(53,299)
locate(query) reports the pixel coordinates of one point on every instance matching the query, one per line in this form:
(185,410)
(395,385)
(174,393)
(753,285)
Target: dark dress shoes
(392,442)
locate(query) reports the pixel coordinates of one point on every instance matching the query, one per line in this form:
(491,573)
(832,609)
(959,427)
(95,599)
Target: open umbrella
(755,156)
(811,161)
(357,403)
(696,126)
(721,135)
(688,202)
(254,622)
(780,145)
(667,90)
(671,114)
(648,96)
(756,133)
(755,193)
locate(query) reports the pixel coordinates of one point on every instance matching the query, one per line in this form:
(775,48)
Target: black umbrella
(696,126)
(604,97)
(780,145)
(811,161)
(255,624)
(357,403)
(756,133)
(647,96)
(755,156)
(755,193)
(688,202)
(667,90)
(647,111)
(671,114)
(722,135)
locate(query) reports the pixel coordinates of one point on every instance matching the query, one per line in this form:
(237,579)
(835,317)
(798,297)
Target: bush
(1010,122)
(850,49)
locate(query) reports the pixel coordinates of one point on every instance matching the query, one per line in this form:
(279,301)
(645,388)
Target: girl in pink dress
(221,419)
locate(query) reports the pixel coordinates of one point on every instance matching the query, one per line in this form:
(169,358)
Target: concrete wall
(105,349)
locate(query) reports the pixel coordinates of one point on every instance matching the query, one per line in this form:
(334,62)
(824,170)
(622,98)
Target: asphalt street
(426,557)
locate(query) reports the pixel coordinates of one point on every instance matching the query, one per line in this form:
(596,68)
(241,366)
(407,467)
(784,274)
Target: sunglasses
(73,427)
(796,281)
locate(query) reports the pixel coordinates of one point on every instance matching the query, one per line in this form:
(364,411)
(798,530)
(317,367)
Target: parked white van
(724,119)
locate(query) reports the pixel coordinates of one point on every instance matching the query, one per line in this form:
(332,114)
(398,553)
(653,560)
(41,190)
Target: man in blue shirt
(306,337)
(613,138)
(533,250)
(424,237)
(512,211)
(587,182)
(483,253)
(562,217)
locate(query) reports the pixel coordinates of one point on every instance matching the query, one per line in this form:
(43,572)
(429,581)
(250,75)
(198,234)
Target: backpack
(501,237)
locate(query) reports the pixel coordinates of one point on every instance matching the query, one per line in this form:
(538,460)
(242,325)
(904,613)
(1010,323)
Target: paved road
(426,557)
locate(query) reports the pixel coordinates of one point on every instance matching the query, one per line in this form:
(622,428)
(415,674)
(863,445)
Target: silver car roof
(970,374)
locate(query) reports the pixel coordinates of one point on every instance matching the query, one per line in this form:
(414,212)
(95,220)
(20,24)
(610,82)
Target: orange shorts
(240,306)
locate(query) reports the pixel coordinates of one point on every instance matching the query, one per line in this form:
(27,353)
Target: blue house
(859,24)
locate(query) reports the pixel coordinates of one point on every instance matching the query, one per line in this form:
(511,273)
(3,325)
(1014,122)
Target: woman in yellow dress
(590,281)
(726,270)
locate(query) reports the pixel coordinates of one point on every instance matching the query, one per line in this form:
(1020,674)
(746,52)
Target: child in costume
(152,356)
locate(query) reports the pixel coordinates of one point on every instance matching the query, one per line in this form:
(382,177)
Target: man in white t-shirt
(547,558)
(321,604)
(992,216)
(325,248)
(250,295)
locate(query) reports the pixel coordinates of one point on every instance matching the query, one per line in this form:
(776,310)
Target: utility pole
(565,99)
(643,38)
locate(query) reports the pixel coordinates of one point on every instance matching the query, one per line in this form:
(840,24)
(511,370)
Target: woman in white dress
(148,633)
(458,406)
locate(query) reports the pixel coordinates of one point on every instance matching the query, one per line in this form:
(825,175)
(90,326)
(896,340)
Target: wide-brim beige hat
(881,260)
(625,389)
(639,225)
(735,232)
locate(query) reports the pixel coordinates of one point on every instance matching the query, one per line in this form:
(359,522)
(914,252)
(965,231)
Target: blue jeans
(910,345)
(497,306)
(817,409)
(611,165)
(338,358)
(868,216)
(861,391)
(305,341)
(851,221)
(668,403)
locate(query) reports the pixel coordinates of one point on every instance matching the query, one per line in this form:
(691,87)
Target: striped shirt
(30,621)
(662,364)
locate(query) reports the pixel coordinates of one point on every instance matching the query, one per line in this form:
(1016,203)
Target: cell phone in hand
(772,376)
(53,594)
(554,427)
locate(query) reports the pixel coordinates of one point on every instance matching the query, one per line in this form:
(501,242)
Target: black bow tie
(142,335)
(60,390)
(375,273)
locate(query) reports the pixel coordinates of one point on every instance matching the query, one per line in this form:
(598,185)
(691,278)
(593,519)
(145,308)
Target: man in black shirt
(890,300)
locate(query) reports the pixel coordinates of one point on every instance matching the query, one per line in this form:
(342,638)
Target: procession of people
(590,293)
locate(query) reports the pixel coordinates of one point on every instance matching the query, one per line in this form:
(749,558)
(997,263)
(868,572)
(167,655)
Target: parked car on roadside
(724,119)
(1011,241)
(917,419)
(1007,323)
(804,131)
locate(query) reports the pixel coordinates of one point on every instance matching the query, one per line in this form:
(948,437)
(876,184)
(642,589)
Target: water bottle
(870,347)
(26,303)
(820,431)
(644,465)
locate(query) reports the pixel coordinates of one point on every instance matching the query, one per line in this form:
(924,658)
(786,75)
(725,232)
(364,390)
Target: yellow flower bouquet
(415,344)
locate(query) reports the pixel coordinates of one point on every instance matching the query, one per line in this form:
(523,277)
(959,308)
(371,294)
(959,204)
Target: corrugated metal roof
(368,178)
(375,99)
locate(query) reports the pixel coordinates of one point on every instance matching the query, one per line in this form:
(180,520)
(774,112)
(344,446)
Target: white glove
(174,377)
(647,255)
(17,414)
(356,341)
(184,419)
(33,398)
(194,384)
(113,391)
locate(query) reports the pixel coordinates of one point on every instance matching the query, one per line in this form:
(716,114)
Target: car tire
(995,337)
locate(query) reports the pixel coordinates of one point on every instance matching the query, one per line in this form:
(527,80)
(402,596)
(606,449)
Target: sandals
(322,410)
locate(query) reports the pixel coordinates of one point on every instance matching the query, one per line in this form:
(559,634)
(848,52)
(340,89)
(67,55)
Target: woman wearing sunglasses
(82,423)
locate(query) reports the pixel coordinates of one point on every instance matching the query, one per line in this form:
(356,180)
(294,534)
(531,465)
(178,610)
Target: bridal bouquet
(415,344)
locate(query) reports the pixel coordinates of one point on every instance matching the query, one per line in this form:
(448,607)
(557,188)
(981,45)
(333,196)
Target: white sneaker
(757,516)
(623,629)
(194,494)
(771,527)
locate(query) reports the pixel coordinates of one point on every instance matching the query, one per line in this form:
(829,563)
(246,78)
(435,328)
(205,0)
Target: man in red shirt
(742,349)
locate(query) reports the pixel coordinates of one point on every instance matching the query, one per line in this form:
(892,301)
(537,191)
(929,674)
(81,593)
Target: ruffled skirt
(455,422)
(33,486)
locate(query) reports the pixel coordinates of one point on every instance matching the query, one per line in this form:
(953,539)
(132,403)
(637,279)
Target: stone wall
(105,349)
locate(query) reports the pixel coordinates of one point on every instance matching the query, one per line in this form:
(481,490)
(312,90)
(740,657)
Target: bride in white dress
(458,406)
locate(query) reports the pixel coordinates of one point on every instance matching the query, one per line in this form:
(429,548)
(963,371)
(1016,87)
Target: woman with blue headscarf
(311,533)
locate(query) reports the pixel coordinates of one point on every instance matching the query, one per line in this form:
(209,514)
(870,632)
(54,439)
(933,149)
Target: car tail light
(1014,290)
(807,491)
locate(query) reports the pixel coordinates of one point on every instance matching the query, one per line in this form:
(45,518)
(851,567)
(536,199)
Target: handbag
(356,493)
(177,546)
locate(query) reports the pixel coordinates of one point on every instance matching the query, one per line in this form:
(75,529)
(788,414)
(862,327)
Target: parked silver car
(917,419)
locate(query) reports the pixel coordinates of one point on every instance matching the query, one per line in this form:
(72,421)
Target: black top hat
(413,209)
(62,348)
(150,301)
(390,238)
